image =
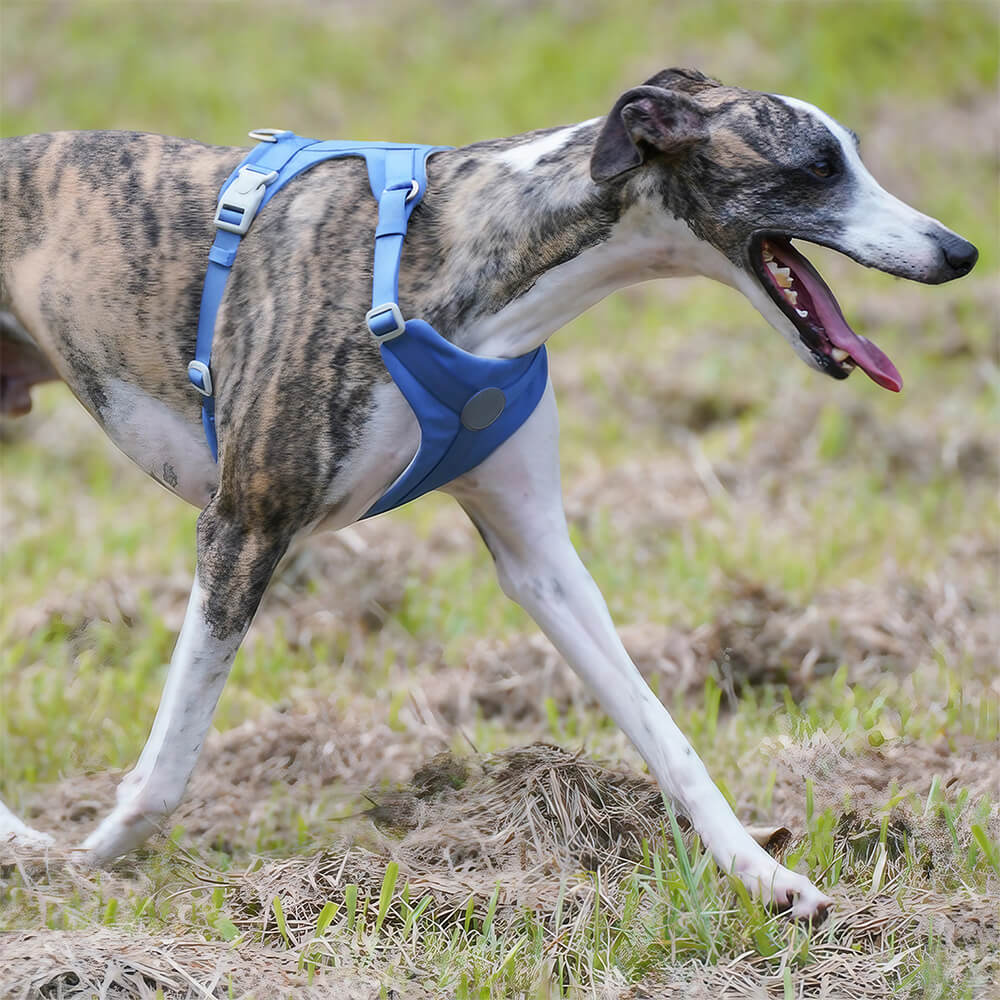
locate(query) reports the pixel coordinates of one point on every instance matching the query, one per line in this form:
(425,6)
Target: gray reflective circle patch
(483,408)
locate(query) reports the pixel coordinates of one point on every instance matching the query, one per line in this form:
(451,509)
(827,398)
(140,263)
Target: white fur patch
(164,445)
(525,156)
(644,244)
(880,228)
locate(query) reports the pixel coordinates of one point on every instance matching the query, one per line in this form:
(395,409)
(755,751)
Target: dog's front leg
(234,566)
(514,499)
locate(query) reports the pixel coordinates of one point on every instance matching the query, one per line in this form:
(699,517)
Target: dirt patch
(786,454)
(355,579)
(117,965)
(758,637)
(864,777)
(517,680)
(334,583)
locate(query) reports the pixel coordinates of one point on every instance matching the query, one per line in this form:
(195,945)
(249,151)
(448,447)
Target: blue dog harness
(466,405)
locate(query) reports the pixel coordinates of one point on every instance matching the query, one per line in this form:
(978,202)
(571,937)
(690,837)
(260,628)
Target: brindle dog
(103,249)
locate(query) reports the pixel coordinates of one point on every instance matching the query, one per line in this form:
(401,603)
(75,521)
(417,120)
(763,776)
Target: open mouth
(803,296)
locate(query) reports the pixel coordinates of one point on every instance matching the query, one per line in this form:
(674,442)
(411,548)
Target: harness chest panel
(466,405)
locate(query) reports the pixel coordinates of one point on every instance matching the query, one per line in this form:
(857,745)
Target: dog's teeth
(839,355)
(792,297)
(802,312)
(782,275)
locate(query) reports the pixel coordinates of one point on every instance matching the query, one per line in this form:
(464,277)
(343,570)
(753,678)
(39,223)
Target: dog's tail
(22,365)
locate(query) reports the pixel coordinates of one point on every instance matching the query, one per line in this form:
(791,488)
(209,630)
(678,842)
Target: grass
(806,571)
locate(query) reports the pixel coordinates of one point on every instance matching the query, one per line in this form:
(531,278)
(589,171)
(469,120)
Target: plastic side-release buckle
(239,202)
(201,377)
(385,322)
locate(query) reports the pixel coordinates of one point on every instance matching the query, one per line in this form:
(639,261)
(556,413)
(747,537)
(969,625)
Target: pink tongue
(873,362)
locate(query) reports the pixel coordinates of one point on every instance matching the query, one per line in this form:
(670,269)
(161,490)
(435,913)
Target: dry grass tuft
(530,820)
(527,824)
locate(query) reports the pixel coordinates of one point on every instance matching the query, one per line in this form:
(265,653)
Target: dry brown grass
(118,965)
(523,828)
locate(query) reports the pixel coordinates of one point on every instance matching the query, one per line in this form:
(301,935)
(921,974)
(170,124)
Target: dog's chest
(169,448)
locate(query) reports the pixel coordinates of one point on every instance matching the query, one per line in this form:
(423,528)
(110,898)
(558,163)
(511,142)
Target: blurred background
(824,554)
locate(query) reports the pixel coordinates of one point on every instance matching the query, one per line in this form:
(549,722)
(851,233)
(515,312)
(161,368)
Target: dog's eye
(822,168)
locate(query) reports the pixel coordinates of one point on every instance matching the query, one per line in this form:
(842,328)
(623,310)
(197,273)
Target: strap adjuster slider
(201,378)
(385,322)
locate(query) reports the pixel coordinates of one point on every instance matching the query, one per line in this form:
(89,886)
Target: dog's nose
(960,255)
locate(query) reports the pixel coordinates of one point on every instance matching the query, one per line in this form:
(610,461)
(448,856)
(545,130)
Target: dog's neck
(531,241)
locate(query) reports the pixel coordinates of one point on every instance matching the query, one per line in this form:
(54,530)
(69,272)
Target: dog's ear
(644,122)
(690,81)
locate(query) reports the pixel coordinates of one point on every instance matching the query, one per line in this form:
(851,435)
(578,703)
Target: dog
(103,249)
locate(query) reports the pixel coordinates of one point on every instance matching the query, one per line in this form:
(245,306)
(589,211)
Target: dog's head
(749,172)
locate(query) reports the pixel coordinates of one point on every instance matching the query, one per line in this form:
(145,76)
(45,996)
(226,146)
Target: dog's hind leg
(22,366)
(234,566)
(515,500)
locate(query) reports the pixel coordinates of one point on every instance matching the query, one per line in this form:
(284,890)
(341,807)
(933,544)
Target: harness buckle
(240,201)
(201,378)
(385,322)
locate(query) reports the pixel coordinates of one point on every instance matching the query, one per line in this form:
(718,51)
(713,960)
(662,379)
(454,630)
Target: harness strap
(466,405)
(240,199)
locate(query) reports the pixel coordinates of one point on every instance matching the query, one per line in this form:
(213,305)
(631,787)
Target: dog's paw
(797,895)
(120,832)
(18,838)
(785,890)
